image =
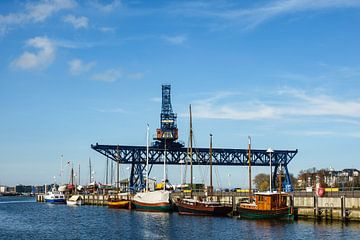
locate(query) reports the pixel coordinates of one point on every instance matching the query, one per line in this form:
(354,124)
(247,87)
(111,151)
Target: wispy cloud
(34,13)
(107,29)
(77,22)
(135,75)
(110,75)
(111,110)
(289,103)
(176,39)
(38,59)
(106,7)
(156,99)
(77,66)
(114,74)
(250,17)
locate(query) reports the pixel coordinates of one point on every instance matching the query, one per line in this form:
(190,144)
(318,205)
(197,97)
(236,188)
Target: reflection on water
(21,218)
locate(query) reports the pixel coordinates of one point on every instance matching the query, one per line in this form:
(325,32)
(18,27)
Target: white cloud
(286,103)
(135,75)
(77,22)
(34,12)
(107,29)
(107,7)
(77,66)
(176,40)
(110,75)
(251,17)
(320,105)
(38,12)
(43,57)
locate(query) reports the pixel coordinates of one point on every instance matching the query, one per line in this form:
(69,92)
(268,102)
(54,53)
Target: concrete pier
(343,206)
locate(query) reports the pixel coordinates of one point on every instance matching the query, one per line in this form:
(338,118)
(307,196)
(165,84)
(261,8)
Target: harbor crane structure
(166,142)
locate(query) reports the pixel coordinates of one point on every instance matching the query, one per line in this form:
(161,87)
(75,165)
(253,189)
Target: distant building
(23,189)
(3,189)
(349,177)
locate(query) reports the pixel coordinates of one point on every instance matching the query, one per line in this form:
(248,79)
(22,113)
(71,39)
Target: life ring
(320,192)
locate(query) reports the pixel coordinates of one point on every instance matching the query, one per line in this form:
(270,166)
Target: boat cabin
(268,201)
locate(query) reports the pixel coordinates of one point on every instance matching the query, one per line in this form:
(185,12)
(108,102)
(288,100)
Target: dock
(337,206)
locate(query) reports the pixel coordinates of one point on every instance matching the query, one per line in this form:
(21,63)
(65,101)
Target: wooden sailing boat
(197,207)
(267,205)
(155,201)
(118,202)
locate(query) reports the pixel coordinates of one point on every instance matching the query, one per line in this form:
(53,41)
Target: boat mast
(147,158)
(107,171)
(165,166)
(79,175)
(190,153)
(211,184)
(62,170)
(117,169)
(279,178)
(249,160)
(89,170)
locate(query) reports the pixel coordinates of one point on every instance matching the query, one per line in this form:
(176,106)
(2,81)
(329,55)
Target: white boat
(54,196)
(156,201)
(75,200)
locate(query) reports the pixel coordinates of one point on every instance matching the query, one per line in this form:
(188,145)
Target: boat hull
(152,207)
(264,214)
(74,203)
(203,210)
(59,201)
(119,204)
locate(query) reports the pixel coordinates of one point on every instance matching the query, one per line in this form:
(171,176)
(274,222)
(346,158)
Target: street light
(270,151)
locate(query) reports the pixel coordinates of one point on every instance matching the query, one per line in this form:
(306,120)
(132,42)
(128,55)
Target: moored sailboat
(155,201)
(118,202)
(266,205)
(199,207)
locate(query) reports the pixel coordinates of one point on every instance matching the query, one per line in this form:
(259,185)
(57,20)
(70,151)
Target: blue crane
(167,137)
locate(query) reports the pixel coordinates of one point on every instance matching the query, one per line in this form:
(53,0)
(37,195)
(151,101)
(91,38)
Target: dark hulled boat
(197,207)
(202,208)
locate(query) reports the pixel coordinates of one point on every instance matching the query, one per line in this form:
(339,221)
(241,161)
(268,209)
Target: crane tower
(168,131)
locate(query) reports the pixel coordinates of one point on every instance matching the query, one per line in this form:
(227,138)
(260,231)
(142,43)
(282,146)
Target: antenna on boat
(249,160)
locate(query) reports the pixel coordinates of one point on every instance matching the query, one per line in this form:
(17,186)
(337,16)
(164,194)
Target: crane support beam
(136,156)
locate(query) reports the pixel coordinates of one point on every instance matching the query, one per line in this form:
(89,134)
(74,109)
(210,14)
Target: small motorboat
(118,203)
(75,200)
(54,196)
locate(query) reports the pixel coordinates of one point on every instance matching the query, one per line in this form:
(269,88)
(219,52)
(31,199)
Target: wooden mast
(249,160)
(117,169)
(190,153)
(211,183)
(147,158)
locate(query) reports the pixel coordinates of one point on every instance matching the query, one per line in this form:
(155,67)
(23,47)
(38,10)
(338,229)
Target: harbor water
(23,218)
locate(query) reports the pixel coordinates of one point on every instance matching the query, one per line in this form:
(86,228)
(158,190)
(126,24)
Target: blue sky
(73,73)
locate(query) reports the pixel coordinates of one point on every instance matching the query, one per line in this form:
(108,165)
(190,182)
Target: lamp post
(270,151)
